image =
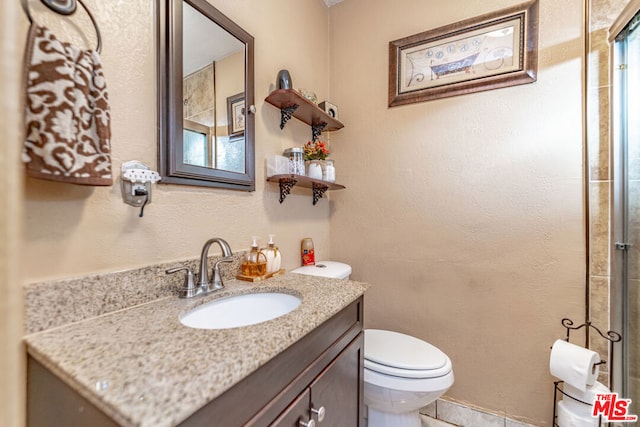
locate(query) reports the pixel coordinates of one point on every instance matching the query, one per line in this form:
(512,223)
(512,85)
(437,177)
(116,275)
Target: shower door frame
(618,380)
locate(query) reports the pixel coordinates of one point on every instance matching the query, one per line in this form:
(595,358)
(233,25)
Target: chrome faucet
(203,286)
(216,282)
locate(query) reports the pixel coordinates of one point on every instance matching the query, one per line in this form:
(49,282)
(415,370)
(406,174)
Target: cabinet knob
(320,412)
(309,423)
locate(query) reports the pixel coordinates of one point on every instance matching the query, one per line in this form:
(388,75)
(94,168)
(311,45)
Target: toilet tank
(332,269)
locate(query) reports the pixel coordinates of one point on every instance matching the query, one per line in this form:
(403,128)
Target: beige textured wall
(74,230)
(229,76)
(465,214)
(12,380)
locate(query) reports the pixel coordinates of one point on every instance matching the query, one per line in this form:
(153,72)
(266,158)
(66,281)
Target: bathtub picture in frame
(482,53)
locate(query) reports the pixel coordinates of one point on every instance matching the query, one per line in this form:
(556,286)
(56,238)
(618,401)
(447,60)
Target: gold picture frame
(491,51)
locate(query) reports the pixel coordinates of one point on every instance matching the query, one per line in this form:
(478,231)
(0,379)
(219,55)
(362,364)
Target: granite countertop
(142,367)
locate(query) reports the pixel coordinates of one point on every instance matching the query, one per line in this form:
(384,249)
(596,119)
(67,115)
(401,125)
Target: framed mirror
(206,97)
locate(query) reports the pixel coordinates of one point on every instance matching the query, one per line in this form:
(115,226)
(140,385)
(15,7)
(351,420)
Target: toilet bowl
(401,373)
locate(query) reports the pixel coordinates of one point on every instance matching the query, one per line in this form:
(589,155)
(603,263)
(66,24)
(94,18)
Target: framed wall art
(235,113)
(487,52)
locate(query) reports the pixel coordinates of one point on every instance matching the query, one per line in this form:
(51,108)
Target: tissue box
(277,165)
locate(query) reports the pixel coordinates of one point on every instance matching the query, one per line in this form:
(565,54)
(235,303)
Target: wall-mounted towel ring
(66,7)
(63,7)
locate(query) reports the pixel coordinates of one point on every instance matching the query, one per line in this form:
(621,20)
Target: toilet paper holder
(611,336)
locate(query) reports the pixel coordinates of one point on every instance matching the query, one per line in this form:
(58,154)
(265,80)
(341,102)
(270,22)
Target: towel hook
(66,7)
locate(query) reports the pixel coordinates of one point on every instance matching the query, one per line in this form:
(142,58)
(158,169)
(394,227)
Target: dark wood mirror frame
(170,108)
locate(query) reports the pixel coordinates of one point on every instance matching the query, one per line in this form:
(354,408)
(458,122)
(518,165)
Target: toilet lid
(401,355)
(333,269)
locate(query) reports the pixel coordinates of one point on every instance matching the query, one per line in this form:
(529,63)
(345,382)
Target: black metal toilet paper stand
(611,336)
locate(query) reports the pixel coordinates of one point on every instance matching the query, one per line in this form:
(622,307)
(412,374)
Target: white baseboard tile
(433,422)
(429,410)
(445,413)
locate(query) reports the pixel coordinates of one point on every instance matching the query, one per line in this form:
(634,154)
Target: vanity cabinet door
(334,397)
(296,412)
(338,389)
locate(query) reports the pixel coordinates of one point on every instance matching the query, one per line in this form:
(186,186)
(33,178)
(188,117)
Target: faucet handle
(188,289)
(216,281)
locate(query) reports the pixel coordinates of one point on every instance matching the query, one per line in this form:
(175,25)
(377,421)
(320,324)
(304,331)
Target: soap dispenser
(255,263)
(272,253)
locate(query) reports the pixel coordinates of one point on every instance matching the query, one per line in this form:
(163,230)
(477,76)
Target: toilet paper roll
(570,416)
(588,395)
(574,365)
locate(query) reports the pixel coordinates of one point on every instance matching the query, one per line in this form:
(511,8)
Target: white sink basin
(240,310)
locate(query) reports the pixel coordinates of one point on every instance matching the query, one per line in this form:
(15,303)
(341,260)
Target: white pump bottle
(274,258)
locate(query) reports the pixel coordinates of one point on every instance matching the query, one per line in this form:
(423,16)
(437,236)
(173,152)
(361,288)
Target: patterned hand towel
(67,117)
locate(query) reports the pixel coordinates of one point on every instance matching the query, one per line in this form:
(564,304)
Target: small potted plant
(314,153)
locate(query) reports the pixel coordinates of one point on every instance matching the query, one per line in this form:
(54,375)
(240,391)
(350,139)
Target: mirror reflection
(213,94)
(206,95)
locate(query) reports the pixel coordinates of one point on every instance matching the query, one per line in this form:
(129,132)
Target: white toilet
(401,373)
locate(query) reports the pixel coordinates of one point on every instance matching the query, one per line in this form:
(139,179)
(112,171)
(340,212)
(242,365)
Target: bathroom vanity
(142,367)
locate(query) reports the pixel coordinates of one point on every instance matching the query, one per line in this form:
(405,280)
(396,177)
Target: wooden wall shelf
(288,181)
(292,104)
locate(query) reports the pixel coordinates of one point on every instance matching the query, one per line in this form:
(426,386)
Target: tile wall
(603,13)
(199,96)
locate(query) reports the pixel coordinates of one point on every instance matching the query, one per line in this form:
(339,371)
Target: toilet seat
(407,373)
(403,356)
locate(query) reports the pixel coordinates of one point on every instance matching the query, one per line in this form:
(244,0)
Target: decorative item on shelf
(329,108)
(309,95)
(329,171)
(314,153)
(314,169)
(296,160)
(316,150)
(283,81)
(277,165)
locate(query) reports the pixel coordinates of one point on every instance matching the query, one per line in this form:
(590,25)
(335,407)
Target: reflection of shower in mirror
(205,59)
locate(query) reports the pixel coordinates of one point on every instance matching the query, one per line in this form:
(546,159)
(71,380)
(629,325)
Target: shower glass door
(626,210)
